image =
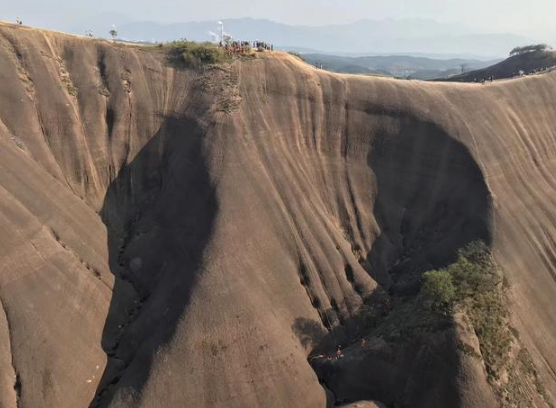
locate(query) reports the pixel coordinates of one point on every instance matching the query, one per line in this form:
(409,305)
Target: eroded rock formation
(162,230)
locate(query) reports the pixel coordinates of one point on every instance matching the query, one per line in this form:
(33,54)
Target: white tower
(221,25)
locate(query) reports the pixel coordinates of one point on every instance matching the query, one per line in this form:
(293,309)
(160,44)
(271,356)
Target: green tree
(530,48)
(439,289)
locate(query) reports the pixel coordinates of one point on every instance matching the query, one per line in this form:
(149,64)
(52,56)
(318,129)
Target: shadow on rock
(431,201)
(309,332)
(159,213)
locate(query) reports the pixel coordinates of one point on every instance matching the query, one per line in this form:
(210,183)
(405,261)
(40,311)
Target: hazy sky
(533,18)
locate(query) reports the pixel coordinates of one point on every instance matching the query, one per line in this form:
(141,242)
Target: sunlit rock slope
(163,231)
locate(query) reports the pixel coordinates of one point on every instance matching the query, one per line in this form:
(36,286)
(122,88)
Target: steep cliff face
(164,231)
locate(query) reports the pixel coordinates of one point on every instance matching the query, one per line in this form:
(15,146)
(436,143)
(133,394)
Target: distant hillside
(395,65)
(406,36)
(510,67)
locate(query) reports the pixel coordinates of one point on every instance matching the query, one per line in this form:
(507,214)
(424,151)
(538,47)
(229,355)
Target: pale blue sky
(533,18)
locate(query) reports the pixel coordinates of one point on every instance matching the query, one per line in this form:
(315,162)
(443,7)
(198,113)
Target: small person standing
(339,353)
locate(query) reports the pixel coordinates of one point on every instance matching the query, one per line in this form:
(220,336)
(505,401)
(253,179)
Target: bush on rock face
(439,289)
(473,285)
(196,55)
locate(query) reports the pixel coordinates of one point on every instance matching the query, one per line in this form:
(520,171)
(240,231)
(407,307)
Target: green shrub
(488,314)
(196,55)
(473,283)
(439,289)
(470,277)
(476,252)
(72,90)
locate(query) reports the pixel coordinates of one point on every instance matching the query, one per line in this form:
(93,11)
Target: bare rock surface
(164,232)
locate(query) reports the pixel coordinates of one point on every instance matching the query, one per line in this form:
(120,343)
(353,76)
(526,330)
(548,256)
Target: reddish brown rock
(182,222)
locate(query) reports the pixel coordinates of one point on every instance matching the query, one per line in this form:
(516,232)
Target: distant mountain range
(397,65)
(410,36)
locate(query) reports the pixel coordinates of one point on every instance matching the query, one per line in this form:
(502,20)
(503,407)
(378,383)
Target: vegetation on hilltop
(196,55)
(530,48)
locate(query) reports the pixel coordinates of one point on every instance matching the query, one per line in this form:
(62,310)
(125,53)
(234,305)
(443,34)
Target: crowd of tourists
(484,80)
(339,353)
(242,47)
